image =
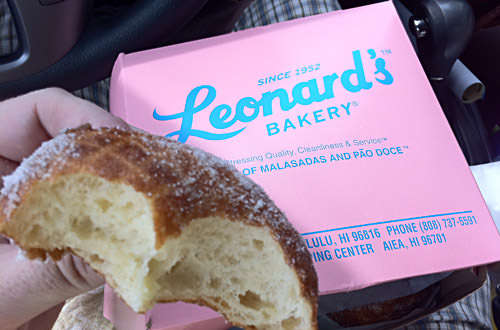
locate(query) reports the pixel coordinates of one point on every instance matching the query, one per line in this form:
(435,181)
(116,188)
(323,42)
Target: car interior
(73,44)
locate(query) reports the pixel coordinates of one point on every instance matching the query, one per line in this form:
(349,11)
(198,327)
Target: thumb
(29,288)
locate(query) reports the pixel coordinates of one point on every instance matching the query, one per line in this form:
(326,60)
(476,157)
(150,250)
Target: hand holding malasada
(163,221)
(32,292)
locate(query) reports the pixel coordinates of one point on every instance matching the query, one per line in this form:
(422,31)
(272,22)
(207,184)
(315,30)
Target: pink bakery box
(333,115)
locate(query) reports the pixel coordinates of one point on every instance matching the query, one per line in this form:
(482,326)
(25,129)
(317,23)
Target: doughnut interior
(153,245)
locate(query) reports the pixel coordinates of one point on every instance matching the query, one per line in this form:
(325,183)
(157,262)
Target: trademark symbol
(354,103)
(405,147)
(386,51)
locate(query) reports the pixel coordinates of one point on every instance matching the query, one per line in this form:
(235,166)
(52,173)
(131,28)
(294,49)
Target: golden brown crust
(182,182)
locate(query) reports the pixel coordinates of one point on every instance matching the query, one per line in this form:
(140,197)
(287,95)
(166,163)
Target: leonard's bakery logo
(223,117)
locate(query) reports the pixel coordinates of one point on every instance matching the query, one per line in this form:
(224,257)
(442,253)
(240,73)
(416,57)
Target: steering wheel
(67,43)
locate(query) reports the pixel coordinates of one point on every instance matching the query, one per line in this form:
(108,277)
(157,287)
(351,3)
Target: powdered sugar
(42,158)
(221,182)
(183,182)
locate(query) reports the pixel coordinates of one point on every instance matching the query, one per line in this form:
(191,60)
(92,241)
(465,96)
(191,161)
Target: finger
(26,121)
(47,284)
(78,274)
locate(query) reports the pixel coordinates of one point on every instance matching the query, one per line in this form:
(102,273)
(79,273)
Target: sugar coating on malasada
(162,221)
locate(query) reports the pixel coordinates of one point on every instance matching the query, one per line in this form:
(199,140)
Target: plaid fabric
(8,35)
(97,93)
(470,313)
(261,13)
